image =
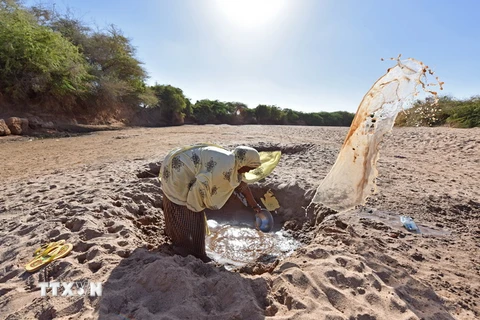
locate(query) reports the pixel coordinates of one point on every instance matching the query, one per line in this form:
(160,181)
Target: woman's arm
(245,190)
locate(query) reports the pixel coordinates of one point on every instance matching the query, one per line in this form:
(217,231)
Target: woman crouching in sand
(198,177)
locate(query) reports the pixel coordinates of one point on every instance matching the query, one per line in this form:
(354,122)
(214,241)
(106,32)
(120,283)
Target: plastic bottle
(408,223)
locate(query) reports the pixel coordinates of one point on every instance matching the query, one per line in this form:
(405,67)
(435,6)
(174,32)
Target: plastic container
(408,223)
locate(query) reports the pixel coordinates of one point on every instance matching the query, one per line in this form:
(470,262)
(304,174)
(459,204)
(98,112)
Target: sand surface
(98,192)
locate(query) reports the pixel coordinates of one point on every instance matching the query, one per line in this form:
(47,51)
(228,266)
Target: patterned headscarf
(246,157)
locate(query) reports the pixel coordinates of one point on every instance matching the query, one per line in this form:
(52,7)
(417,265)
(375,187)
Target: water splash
(352,178)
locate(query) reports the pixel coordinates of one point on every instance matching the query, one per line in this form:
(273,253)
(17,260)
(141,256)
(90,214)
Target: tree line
(53,63)
(176,109)
(56,64)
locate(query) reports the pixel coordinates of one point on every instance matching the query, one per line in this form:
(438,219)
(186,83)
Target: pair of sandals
(47,253)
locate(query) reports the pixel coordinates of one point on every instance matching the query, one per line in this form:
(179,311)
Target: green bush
(447,111)
(36,63)
(57,64)
(466,115)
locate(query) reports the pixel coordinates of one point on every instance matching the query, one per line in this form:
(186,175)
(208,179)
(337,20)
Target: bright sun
(250,14)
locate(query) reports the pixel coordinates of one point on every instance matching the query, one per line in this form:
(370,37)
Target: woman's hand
(245,190)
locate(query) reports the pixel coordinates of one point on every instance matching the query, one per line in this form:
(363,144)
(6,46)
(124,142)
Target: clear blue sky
(308,55)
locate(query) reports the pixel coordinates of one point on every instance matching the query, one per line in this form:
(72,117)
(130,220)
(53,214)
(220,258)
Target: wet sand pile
(99,192)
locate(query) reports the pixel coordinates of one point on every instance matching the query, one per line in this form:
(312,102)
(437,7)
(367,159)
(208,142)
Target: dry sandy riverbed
(97,192)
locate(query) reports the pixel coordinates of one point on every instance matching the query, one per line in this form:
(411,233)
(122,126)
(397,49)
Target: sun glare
(250,15)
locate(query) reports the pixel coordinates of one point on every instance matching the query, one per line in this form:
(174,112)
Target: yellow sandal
(63,251)
(47,246)
(51,252)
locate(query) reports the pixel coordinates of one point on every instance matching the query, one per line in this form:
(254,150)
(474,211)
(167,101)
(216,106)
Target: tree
(313,119)
(171,102)
(213,111)
(263,113)
(120,78)
(277,115)
(249,116)
(238,112)
(117,78)
(36,63)
(292,116)
(203,112)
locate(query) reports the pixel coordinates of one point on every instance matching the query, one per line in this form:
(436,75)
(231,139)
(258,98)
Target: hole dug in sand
(234,241)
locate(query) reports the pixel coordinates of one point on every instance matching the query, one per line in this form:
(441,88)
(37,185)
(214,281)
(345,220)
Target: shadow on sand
(159,285)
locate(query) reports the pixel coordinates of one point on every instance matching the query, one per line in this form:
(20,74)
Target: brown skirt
(186,228)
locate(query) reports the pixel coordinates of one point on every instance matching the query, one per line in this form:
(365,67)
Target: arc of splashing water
(352,178)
